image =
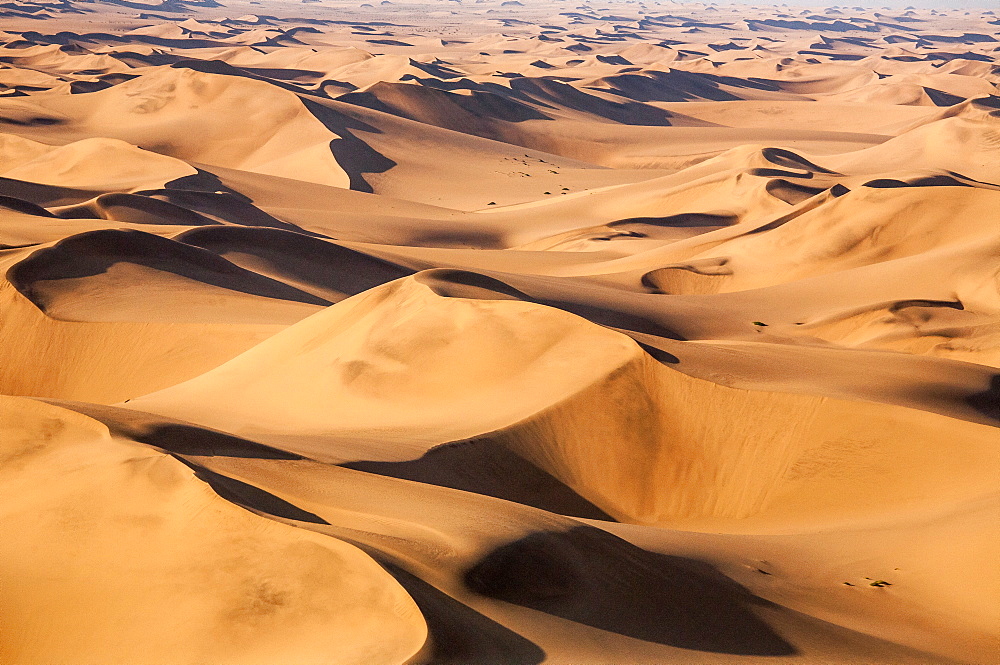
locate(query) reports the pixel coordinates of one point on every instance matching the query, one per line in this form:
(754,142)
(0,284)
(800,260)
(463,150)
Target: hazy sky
(920,4)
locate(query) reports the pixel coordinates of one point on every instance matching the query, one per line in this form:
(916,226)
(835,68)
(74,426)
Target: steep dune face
(502,332)
(755,459)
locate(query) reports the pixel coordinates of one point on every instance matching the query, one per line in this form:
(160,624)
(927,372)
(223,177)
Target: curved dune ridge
(498,332)
(703,450)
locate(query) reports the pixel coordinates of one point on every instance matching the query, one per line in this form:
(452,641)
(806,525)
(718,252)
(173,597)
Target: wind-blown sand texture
(498,333)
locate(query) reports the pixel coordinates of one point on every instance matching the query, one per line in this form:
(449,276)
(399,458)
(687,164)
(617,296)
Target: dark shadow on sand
(486,467)
(251,497)
(987,402)
(93,252)
(459,635)
(594,578)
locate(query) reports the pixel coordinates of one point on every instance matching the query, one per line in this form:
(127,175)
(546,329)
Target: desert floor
(498,333)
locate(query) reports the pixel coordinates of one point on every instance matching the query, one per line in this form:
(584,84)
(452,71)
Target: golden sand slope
(127,539)
(506,333)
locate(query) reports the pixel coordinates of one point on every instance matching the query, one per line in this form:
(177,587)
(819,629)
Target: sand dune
(129,513)
(636,480)
(498,333)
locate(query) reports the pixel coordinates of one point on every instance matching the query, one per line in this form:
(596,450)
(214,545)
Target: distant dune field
(483,332)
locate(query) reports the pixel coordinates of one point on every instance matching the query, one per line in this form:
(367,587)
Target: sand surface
(498,333)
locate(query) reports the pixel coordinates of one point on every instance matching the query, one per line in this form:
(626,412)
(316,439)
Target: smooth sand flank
(482,333)
(116,558)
